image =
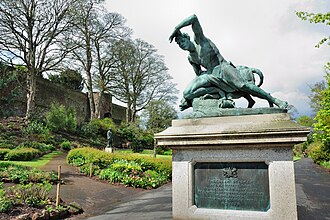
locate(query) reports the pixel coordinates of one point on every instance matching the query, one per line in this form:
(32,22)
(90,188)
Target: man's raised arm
(196,27)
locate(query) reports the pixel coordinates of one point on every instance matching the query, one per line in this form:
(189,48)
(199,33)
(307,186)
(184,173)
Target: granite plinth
(253,139)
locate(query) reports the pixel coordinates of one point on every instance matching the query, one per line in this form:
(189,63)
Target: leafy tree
(69,78)
(322,125)
(140,75)
(31,32)
(316,18)
(158,115)
(305,121)
(316,96)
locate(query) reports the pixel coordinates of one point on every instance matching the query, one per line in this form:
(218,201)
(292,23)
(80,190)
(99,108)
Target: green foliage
(32,194)
(128,169)
(319,153)
(305,121)
(133,133)
(61,118)
(3,153)
(22,154)
(316,18)
(37,130)
(5,202)
(66,145)
(8,88)
(22,174)
(98,127)
(322,124)
(158,115)
(42,147)
(69,78)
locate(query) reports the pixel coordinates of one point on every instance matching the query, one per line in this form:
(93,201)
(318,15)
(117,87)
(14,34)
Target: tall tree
(31,31)
(158,115)
(81,35)
(140,75)
(108,27)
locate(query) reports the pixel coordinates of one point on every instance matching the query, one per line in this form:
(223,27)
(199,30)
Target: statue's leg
(258,92)
(196,88)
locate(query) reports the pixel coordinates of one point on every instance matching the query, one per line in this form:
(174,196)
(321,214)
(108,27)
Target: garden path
(95,197)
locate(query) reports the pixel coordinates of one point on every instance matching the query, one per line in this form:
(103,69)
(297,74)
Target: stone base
(109,149)
(256,139)
(210,108)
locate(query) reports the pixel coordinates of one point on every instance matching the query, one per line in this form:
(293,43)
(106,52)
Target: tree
(305,121)
(69,78)
(158,115)
(140,75)
(316,18)
(31,32)
(316,96)
(109,26)
(322,118)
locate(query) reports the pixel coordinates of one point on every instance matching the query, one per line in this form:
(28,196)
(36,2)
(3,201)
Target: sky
(263,34)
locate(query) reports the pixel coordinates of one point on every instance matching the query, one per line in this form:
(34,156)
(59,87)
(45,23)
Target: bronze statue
(220,79)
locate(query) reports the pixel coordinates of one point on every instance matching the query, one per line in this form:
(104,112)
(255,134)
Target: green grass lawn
(35,163)
(144,153)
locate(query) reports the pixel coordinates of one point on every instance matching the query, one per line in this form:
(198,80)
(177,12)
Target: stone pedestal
(108,149)
(236,167)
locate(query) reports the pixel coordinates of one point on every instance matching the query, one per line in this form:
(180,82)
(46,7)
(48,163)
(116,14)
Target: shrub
(32,194)
(3,153)
(98,127)
(318,153)
(35,127)
(5,202)
(66,145)
(128,169)
(61,118)
(22,154)
(36,145)
(22,174)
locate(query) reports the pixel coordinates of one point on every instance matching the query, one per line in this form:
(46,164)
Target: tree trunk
(99,105)
(30,95)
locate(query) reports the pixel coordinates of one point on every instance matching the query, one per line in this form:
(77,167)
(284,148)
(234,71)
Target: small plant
(5,202)
(32,194)
(66,145)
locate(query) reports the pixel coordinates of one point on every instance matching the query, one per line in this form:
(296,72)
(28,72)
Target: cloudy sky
(264,34)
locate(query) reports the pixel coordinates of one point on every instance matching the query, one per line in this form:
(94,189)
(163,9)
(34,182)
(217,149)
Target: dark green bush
(66,145)
(42,147)
(3,153)
(98,127)
(22,154)
(61,118)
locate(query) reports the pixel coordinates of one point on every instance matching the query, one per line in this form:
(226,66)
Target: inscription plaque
(234,186)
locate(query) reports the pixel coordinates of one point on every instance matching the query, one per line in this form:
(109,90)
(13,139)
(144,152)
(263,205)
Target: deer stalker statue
(220,79)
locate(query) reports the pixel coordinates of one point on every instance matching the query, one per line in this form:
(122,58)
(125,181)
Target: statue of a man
(220,76)
(109,138)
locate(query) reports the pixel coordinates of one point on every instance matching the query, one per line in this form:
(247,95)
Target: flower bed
(128,169)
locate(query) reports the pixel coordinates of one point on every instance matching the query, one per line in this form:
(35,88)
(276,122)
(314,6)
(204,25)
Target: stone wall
(48,93)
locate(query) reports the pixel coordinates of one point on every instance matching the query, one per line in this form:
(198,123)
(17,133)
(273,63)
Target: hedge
(22,154)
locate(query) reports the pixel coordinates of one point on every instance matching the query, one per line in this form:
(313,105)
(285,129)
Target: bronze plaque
(234,186)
